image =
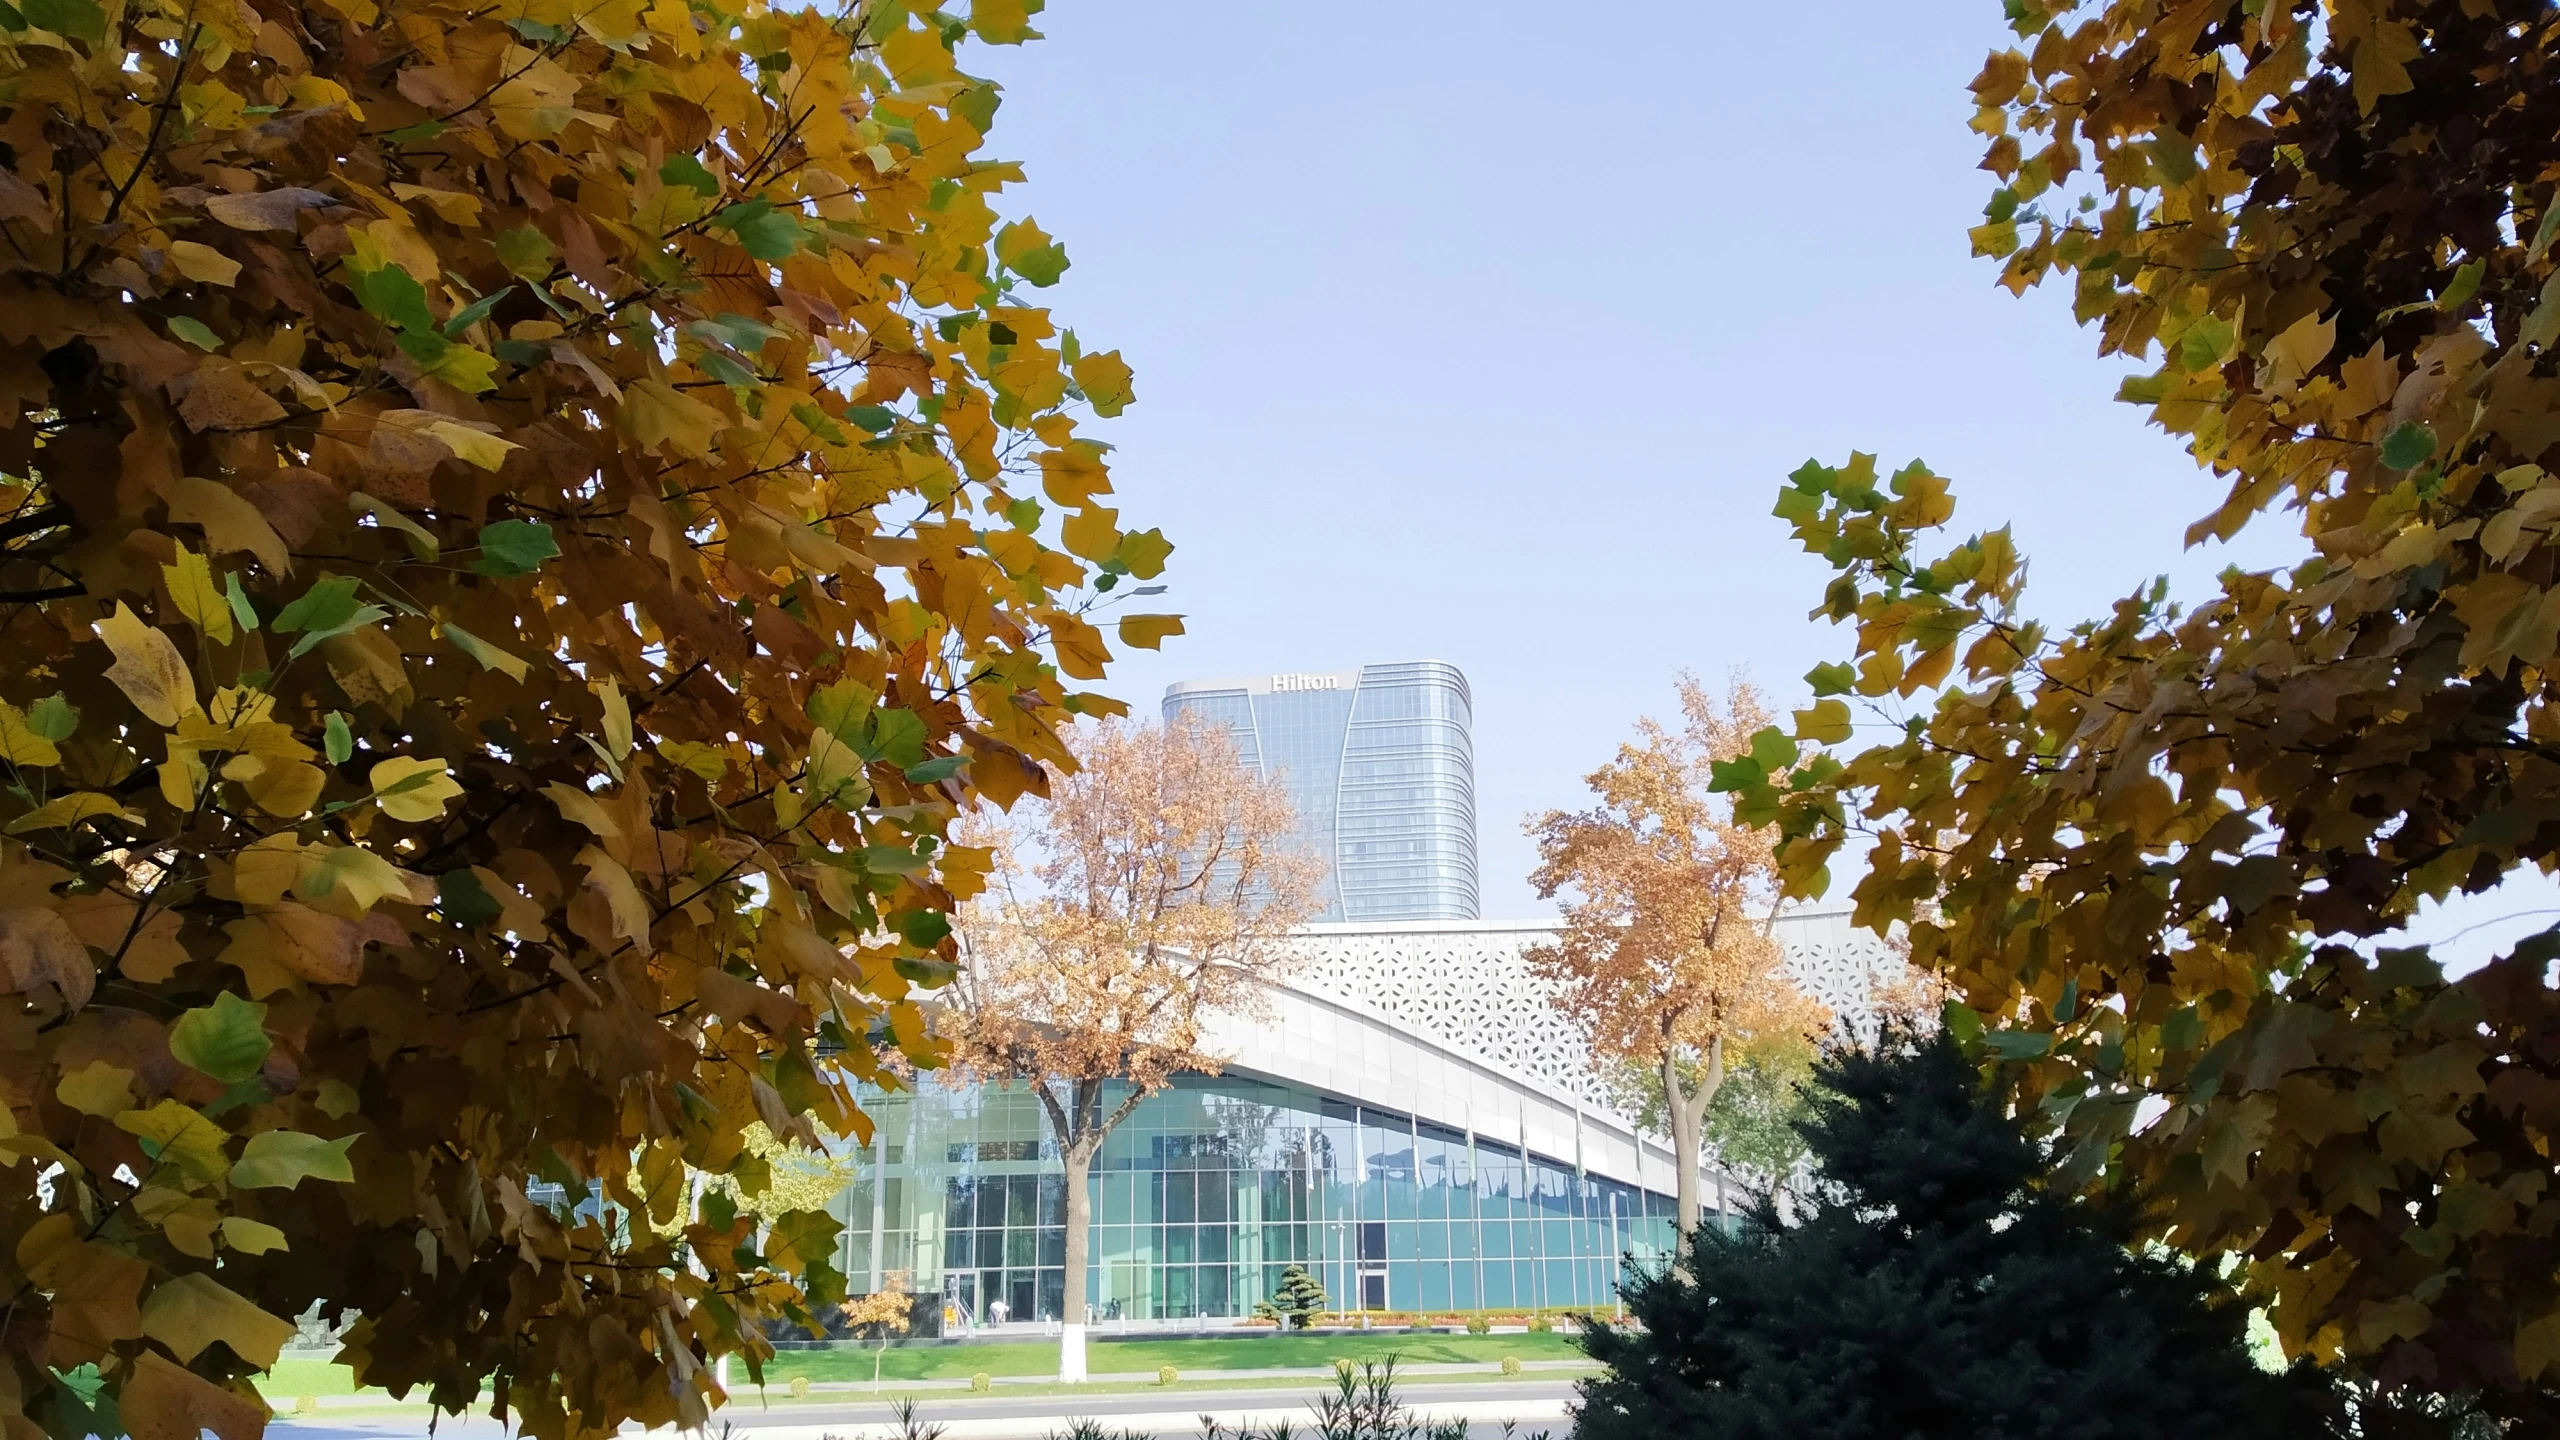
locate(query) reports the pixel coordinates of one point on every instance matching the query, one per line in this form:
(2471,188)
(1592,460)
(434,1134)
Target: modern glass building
(1381,767)
(1408,1118)
(1204,1195)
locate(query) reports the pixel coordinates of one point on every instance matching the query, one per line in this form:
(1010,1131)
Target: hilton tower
(1381,768)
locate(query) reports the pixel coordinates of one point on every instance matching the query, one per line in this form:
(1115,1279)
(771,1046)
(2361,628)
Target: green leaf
(475,312)
(393,296)
(337,739)
(489,656)
(54,718)
(363,616)
(1833,678)
(738,332)
(226,1039)
(923,929)
(937,769)
(464,900)
(729,372)
(764,232)
(925,970)
(73,19)
(2465,284)
(2017,1044)
(525,251)
(874,418)
(1728,776)
(1962,1023)
(897,736)
(195,332)
(1043,265)
(1774,749)
(1027,251)
(509,548)
(2408,446)
(819,423)
(326,605)
(466,368)
(688,172)
(282,1159)
(241,610)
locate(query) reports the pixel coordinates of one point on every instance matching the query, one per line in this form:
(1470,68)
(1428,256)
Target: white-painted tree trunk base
(1071,1369)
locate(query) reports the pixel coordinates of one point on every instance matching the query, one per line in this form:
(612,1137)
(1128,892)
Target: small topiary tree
(1940,1289)
(1298,1299)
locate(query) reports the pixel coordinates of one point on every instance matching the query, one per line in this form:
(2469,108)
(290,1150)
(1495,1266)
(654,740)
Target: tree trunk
(1078,1160)
(1080,1126)
(1688,1115)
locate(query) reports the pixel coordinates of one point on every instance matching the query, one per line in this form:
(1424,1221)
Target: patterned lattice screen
(1469,989)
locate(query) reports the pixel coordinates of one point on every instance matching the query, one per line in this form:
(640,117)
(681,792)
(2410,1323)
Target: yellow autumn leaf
(203,263)
(1826,723)
(350,871)
(1148,632)
(411,789)
(660,416)
(179,1135)
(97,1088)
(64,811)
(251,1237)
(262,872)
(470,443)
(20,744)
(192,590)
(230,523)
(577,805)
(709,762)
(148,668)
(617,717)
(1092,532)
(287,788)
(192,1311)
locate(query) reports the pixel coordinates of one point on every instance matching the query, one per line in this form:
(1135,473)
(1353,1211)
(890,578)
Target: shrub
(799,1387)
(1510,1364)
(1941,1277)
(1541,1324)
(982,1382)
(1167,1375)
(1342,1366)
(307,1405)
(1479,1325)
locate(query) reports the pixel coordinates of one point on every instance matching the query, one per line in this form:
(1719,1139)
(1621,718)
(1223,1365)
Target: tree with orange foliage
(1152,890)
(520,525)
(1666,959)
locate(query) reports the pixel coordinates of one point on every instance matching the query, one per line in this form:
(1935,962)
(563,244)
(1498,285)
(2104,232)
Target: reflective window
(1211,1188)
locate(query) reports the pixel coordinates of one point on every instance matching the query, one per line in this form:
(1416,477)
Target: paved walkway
(744,1392)
(1499,1410)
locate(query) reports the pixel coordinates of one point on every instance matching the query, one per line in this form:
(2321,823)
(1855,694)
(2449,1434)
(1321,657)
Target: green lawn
(296,1377)
(1105,1357)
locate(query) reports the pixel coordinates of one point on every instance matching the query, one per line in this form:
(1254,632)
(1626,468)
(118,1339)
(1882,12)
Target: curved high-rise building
(1380,764)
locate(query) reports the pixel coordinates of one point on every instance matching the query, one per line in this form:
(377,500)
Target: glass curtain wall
(1211,1188)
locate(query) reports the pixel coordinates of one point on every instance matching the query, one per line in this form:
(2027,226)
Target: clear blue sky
(1486,332)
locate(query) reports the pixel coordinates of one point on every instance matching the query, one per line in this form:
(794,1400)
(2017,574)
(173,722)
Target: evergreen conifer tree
(1298,1299)
(1937,1290)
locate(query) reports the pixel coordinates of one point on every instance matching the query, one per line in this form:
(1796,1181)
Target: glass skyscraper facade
(1380,764)
(1211,1188)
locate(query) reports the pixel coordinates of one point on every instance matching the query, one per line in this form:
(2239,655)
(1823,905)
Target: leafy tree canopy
(520,526)
(1937,1289)
(2161,857)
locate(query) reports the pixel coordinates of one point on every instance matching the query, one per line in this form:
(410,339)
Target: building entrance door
(1025,1298)
(1373,1289)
